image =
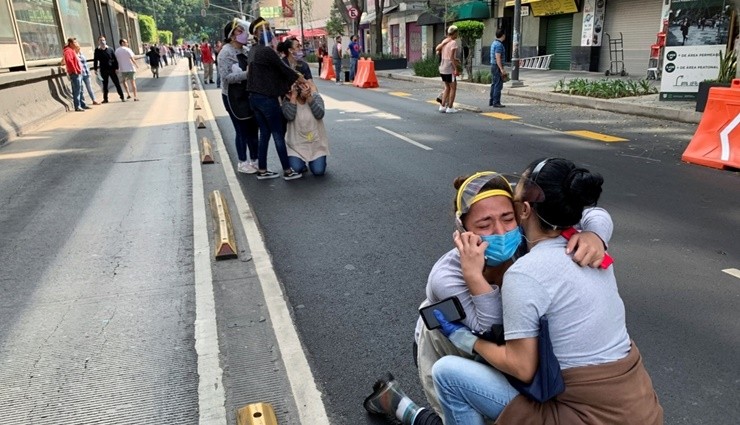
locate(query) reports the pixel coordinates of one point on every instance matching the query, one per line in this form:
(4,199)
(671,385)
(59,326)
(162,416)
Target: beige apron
(306,136)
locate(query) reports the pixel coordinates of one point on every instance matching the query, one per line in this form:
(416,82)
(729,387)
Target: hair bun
(583,186)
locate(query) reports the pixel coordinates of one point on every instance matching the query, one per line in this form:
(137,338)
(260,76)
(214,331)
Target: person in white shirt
(127,67)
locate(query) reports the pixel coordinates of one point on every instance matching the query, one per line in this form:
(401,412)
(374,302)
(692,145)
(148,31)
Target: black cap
(255,23)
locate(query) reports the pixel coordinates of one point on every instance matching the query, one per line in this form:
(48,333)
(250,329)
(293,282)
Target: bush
(427,67)
(482,77)
(148,29)
(311,57)
(605,89)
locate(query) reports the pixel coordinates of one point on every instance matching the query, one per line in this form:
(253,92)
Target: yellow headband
(482,195)
(260,24)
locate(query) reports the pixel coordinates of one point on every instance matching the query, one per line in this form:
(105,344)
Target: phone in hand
(450,307)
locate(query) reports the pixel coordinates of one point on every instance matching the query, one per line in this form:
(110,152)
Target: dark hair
(500,33)
(568,190)
(286,44)
(227,32)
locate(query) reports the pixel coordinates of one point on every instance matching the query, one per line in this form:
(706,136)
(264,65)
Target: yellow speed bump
(399,94)
(206,154)
(223,229)
(501,116)
(200,122)
(256,414)
(596,136)
(197,105)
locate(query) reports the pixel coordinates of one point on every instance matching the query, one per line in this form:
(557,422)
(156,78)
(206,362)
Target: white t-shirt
(124,56)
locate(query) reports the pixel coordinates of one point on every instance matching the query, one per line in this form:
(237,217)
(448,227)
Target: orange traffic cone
(716,142)
(366,78)
(327,69)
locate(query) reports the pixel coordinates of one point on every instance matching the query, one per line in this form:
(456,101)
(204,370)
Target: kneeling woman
(305,137)
(605,380)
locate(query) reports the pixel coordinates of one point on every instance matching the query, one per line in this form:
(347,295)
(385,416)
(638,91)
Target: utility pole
(515,44)
(300,14)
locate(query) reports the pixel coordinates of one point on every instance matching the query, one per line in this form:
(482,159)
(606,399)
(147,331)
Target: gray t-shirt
(582,305)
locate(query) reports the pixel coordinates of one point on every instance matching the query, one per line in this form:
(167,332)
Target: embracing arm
(589,246)
(518,357)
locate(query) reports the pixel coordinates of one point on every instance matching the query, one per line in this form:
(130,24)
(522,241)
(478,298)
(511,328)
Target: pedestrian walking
(206,55)
(127,67)
(498,73)
(685,30)
(106,64)
(189,55)
(162,50)
(85,76)
(354,55)
(232,68)
(449,69)
(321,52)
(74,72)
(336,56)
(267,80)
(216,51)
(306,136)
(154,57)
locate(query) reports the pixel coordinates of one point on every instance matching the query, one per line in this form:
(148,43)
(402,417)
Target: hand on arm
(587,248)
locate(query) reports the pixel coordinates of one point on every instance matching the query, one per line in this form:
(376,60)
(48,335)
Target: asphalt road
(353,249)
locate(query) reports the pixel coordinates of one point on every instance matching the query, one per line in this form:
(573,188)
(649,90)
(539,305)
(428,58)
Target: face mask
(298,54)
(502,247)
(242,38)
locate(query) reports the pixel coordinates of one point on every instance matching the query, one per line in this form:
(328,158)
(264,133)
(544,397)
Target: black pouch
(238,96)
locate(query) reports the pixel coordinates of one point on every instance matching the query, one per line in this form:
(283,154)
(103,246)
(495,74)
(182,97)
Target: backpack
(238,96)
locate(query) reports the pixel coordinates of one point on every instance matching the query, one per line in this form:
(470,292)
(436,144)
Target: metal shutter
(560,40)
(639,22)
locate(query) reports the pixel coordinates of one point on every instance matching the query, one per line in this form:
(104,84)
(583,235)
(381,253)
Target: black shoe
(210,82)
(128,97)
(498,105)
(123,100)
(381,401)
(264,175)
(439,100)
(79,110)
(291,175)
(86,107)
(105,101)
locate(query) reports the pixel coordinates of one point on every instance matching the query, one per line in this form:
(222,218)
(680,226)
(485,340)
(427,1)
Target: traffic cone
(367,78)
(327,69)
(716,142)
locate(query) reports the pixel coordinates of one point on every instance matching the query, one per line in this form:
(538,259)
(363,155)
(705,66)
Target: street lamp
(515,44)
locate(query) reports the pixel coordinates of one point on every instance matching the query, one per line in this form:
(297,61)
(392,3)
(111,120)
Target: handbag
(238,96)
(548,379)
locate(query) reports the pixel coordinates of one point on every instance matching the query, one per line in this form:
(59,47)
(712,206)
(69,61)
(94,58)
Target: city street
(98,285)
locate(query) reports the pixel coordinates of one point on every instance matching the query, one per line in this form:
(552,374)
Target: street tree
(352,24)
(379,6)
(148,29)
(470,32)
(335,25)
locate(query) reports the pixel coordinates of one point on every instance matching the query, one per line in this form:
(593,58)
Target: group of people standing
(337,54)
(268,91)
(543,337)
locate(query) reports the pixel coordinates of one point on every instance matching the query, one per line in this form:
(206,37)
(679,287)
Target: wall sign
(684,67)
(593,22)
(553,7)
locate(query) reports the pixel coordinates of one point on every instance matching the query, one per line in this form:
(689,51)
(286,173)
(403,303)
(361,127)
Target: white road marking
(211,398)
(733,272)
(307,397)
(404,138)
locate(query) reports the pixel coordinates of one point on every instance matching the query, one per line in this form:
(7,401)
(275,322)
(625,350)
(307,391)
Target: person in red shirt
(74,71)
(207,59)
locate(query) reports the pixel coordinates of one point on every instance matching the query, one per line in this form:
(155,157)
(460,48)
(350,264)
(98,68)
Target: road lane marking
(733,272)
(399,94)
(307,397)
(596,136)
(404,138)
(501,116)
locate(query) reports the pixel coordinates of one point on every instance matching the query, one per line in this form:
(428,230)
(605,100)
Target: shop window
(7,35)
(76,22)
(39,29)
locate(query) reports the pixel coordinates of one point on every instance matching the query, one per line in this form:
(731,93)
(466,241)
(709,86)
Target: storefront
(559,40)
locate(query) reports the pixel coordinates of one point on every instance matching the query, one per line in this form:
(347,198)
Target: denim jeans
(77,99)
(497,84)
(338,69)
(470,391)
(317,166)
(246,134)
(270,119)
(352,68)
(88,85)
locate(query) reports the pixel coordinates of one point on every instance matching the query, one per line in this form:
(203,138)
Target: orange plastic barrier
(716,142)
(365,76)
(327,69)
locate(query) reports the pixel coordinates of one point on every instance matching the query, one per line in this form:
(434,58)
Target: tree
(148,29)
(165,37)
(379,6)
(352,24)
(469,32)
(335,24)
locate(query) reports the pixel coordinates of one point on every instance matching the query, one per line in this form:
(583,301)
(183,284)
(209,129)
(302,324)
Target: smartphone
(450,307)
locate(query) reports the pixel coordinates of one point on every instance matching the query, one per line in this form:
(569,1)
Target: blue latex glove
(459,335)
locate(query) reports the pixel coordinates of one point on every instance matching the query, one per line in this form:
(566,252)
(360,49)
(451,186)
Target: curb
(691,117)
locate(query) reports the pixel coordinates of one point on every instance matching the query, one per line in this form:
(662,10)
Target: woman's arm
(316,102)
(225,69)
(589,246)
(518,357)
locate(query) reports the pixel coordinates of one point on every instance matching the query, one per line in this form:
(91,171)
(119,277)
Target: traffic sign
(353,13)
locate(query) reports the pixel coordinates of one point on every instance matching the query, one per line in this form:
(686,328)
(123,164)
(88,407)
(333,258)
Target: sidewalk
(539,85)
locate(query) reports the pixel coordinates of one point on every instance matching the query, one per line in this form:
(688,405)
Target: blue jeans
(497,84)
(317,166)
(246,134)
(338,69)
(270,119)
(86,81)
(77,99)
(352,68)
(470,391)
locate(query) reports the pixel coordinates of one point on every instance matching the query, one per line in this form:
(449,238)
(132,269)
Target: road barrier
(327,69)
(195,94)
(200,122)
(223,229)
(716,142)
(256,414)
(197,106)
(365,76)
(206,153)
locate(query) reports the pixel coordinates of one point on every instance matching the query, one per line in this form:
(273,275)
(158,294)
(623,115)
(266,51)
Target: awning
(471,10)
(370,17)
(430,18)
(314,32)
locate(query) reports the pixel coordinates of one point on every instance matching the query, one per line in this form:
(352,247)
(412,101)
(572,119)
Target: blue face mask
(502,247)
(266,38)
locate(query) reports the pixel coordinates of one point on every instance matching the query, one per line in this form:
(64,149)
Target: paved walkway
(539,85)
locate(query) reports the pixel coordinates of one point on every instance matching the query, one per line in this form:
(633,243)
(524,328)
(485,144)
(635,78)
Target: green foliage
(469,32)
(311,57)
(165,37)
(335,24)
(727,66)
(427,67)
(482,77)
(606,88)
(380,56)
(180,41)
(148,29)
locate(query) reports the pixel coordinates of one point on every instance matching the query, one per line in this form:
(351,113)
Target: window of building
(39,29)
(7,35)
(76,22)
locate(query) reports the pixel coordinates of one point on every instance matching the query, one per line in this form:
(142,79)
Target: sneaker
(267,174)
(442,109)
(385,398)
(128,97)
(291,175)
(451,111)
(339,83)
(246,167)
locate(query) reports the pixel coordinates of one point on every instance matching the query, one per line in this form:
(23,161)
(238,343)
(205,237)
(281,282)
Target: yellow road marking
(733,272)
(399,94)
(501,116)
(596,136)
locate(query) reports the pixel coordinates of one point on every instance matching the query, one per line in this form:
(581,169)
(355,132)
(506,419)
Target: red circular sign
(352,12)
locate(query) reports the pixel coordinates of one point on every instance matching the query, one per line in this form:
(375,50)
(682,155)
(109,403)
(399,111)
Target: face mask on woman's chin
(298,54)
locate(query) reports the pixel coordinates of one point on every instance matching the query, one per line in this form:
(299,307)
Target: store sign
(593,22)
(553,7)
(684,67)
(271,12)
